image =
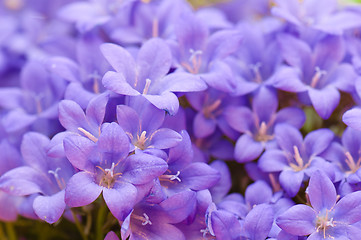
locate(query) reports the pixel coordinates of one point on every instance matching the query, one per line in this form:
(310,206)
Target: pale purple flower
(327,218)
(148,74)
(297,159)
(106,167)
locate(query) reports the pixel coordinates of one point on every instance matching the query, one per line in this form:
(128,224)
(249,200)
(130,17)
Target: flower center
(170,177)
(323,223)
(145,219)
(59,181)
(108,177)
(255,69)
(262,135)
(318,75)
(142,141)
(351,163)
(210,111)
(194,62)
(299,166)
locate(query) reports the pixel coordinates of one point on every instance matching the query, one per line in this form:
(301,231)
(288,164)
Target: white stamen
(147,221)
(204,231)
(175,177)
(147,84)
(110,170)
(55,173)
(194,53)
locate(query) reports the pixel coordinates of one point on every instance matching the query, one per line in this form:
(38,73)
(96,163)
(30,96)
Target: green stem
(10,231)
(79,226)
(2,233)
(100,221)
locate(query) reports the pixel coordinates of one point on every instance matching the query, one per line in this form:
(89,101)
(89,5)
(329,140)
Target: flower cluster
(149,119)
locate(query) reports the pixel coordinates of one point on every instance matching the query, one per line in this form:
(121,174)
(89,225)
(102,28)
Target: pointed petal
(128,119)
(258,192)
(290,115)
(71,116)
(352,118)
(167,101)
(298,220)
(142,168)
(288,79)
(180,82)
(120,199)
(239,118)
(111,236)
(247,149)
(265,103)
(287,137)
(120,59)
(154,59)
(81,190)
(199,176)
(33,150)
(95,111)
(317,141)
(50,208)
(202,126)
(259,221)
(65,68)
(79,151)
(348,209)
(291,181)
(113,142)
(116,82)
(324,100)
(321,191)
(164,138)
(273,160)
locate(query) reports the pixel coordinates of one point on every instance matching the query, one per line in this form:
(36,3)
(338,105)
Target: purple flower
(326,219)
(183,174)
(40,174)
(156,221)
(106,167)
(296,159)
(347,159)
(85,73)
(202,55)
(257,125)
(147,75)
(141,121)
(317,73)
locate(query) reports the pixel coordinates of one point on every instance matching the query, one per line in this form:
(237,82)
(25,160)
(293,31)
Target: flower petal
(50,208)
(81,190)
(321,191)
(247,149)
(324,100)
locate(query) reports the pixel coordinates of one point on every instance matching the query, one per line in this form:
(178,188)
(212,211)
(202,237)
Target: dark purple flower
(326,219)
(147,75)
(106,167)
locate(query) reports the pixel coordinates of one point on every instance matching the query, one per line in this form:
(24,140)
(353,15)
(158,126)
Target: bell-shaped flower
(40,174)
(184,174)
(142,122)
(316,72)
(156,221)
(87,124)
(202,55)
(346,157)
(34,105)
(148,74)
(210,106)
(326,218)
(257,125)
(84,73)
(106,167)
(297,159)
